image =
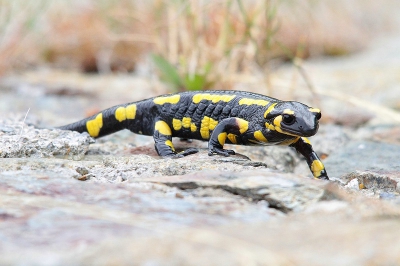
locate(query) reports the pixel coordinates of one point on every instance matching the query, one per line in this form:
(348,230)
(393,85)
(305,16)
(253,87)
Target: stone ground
(66,200)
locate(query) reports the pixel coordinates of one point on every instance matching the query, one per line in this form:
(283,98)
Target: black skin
(221,113)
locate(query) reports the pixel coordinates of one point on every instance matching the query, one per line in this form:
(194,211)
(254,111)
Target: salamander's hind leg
(163,142)
(218,137)
(303,146)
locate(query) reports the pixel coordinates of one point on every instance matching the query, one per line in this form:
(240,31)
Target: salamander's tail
(106,122)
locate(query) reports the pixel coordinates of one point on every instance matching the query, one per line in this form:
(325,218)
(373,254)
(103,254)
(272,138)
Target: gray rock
(18,140)
(363,156)
(282,191)
(368,167)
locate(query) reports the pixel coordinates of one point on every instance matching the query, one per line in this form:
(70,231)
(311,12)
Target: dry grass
(231,40)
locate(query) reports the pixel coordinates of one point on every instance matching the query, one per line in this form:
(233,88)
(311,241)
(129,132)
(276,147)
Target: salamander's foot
(220,151)
(323,176)
(186,152)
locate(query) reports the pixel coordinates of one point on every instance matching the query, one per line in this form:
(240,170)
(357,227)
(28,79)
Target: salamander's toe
(186,152)
(220,151)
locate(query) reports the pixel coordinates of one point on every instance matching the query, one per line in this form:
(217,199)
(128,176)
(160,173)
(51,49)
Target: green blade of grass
(168,72)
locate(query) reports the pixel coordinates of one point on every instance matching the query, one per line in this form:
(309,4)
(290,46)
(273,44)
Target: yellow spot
(176,124)
(212,97)
(269,109)
(123,113)
(248,101)
(316,167)
(130,111)
(207,124)
(243,125)
(232,138)
(222,138)
(288,111)
(186,122)
(277,123)
(93,126)
(204,128)
(120,114)
(213,124)
(258,135)
(361,186)
(174,99)
(306,140)
(193,127)
(169,143)
(269,126)
(314,110)
(163,128)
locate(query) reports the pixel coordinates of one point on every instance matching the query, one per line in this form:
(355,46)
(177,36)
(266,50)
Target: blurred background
(118,51)
(63,60)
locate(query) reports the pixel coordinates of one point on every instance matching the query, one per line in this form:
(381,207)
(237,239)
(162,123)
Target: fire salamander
(219,117)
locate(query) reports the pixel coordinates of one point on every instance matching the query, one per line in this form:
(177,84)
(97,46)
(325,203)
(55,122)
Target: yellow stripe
(248,101)
(169,143)
(174,99)
(289,141)
(212,97)
(314,110)
(288,111)
(93,126)
(306,140)
(163,128)
(269,109)
(258,135)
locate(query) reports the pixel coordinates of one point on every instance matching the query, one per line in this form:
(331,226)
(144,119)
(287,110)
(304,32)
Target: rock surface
(117,209)
(368,166)
(18,140)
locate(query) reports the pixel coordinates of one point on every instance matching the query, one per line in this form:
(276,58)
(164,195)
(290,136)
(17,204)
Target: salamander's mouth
(300,132)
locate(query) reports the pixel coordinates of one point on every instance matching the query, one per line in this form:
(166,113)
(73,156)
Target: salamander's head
(293,118)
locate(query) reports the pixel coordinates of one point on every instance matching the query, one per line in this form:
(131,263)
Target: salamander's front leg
(163,142)
(218,137)
(303,146)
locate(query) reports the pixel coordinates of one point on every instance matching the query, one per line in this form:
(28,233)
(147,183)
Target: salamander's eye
(288,119)
(318,116)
